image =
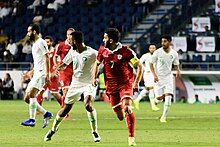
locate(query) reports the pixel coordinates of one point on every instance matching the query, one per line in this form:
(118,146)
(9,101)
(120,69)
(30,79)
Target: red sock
(62,101)
(130,119)
(40,99)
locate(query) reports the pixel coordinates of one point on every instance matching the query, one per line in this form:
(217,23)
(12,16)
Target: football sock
(56,123)
(130,120)
(151,97)
(40,99)
(167,105)
(33,107)
(92,116)
(141,95)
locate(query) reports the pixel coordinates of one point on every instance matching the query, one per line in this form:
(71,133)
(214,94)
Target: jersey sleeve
(132,56)
(176,59)
(68,58)
(100,56)
(43,47)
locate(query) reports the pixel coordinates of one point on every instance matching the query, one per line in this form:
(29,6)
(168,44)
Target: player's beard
(31,37)
(74,47)
(107,44)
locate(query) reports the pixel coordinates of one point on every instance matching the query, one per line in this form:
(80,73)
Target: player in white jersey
(83,58)
(161,67)
(40,77)
(148,79)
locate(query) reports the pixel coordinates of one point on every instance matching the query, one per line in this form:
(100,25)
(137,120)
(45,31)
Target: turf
(188,125)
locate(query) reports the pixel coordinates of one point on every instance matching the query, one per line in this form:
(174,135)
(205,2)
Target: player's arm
(153,72)
(137,64)
(95,72)
(47,63)
(177,67)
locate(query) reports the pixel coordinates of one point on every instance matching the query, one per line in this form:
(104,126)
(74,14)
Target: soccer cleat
(29,122)
(163,120)
(155,108)
(136,105)
(96,136)
(155,103)
(131,141)
(47,117)
(48,136)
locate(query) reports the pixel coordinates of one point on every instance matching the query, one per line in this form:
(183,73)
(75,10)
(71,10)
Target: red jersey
(117,70)
(62,50)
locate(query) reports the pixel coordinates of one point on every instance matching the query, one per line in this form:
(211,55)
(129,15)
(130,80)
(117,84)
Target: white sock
(166,106)
(151,97)
(32,108)
(141,95)
(56,123)
(92,116)
(41,109)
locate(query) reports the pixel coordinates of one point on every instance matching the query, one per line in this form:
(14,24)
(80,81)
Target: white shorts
(148,79)
(37,81)
(74,93)
(163,86)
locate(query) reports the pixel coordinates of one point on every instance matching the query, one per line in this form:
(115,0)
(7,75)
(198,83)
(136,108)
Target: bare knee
(88,103)
(65,110)
(127,109)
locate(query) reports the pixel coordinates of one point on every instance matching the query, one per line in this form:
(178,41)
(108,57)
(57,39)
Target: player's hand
(95,82)
(156,79)
(135,87)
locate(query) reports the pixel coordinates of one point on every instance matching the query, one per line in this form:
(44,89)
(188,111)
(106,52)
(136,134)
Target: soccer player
(148,79)
(161,67)
(65,75)
(119,78)
(53,87)
(83,58)
(40,77)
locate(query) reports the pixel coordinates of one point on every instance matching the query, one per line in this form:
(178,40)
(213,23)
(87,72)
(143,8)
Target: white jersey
(39,49)
(82,66)
(163,62)
(148,76)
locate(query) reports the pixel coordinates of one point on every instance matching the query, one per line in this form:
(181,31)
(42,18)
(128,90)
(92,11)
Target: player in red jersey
(65,75)
(119,78)
(53,87)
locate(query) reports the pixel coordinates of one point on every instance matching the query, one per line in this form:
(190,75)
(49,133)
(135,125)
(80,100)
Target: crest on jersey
(119,57)
(171,57)
(84,59)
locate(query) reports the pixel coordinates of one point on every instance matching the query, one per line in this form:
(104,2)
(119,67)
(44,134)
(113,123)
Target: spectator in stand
(8,85)
(207,31)
(38,18)
(217,101)
(182,56)
(3,37)
(47,19)
(35,4)
(4,11)
(12,47)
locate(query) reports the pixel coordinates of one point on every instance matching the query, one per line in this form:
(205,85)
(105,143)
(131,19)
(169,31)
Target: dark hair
(78,36)
(113,34)
(152,44)
(35,27)
(49,37)
(167,37)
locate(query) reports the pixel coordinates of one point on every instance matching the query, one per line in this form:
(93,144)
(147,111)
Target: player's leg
(151,98)
(89,96)
(64,91)
(57,121)
(57,97)
(40,95)
(140,97)
(168,96)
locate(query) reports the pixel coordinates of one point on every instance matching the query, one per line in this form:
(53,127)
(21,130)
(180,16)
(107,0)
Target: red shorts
(65,80)
(117,98)
(53,87)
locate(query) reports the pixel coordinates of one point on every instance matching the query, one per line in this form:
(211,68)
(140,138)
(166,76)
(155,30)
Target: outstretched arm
(95,73)
(138,75)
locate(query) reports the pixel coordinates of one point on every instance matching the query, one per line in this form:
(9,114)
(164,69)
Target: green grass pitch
(188,125)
